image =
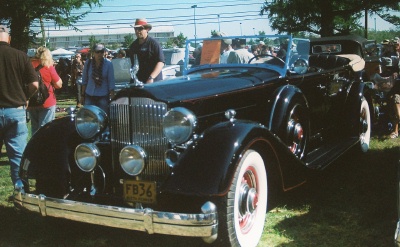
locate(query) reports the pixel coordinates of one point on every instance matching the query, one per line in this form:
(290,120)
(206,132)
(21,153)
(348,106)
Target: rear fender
(207,167)
(284,96)
(352,105)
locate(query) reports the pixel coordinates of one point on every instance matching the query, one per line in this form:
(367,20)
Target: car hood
(202,84)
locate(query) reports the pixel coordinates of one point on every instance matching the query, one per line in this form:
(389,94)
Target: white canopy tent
(59,53)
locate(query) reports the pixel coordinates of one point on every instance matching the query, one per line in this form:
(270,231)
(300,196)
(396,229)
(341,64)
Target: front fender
(49,152)
(207,167)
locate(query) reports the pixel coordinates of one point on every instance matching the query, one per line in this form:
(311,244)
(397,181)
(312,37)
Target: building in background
(109,36)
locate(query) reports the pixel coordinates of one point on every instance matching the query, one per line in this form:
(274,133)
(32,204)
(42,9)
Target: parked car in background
(173,67)
(350,44)
(370,52)
(174,58)
(203,154)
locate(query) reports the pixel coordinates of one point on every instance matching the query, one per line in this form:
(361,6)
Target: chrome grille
(138,121)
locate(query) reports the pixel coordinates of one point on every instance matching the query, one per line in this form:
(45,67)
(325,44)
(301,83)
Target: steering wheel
(267,61)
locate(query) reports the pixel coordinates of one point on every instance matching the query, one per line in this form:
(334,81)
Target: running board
(322,157)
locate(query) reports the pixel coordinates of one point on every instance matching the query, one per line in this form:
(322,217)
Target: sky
(228,16)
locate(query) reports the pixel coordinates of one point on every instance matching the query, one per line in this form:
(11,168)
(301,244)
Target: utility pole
(194,21)
(108,35)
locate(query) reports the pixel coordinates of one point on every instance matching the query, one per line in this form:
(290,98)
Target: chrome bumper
(204,224)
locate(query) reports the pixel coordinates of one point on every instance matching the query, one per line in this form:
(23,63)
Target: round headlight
(132,159)
(90,120)
(87,156)
(179,124)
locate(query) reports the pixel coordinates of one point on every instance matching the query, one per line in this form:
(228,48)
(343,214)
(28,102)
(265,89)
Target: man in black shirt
(18,81)
(149,53)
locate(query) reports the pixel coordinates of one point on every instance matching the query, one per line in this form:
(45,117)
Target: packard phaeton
(202,154)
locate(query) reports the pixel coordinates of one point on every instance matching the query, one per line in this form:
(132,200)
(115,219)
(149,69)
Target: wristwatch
(150,78)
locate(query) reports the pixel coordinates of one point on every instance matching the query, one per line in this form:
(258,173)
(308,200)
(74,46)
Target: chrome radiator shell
(138,121)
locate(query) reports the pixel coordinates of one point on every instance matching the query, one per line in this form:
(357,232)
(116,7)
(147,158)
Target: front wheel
(365,126)
(242,212)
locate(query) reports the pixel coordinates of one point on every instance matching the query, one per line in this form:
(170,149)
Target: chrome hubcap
(296,136)
(248,199)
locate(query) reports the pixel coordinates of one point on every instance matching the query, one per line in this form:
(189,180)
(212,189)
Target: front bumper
(204,224)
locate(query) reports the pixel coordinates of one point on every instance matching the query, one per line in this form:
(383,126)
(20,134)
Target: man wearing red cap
(149,53)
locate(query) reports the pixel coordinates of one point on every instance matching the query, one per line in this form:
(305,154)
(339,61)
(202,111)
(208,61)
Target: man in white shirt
(240,54)
(227,48)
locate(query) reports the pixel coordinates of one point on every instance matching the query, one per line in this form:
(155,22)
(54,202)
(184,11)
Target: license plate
(139,191)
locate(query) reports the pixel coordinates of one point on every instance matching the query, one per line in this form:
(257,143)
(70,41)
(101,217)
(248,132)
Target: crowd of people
(238,52)
(387,80)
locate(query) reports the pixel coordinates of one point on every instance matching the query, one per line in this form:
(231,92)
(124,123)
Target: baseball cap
(98,47)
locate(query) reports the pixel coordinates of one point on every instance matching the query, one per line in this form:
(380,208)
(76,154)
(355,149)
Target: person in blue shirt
(98,79)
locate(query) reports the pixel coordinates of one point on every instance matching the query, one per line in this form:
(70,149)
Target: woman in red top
(40,115)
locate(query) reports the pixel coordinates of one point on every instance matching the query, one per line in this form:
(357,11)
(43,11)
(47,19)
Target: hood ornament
(133,71)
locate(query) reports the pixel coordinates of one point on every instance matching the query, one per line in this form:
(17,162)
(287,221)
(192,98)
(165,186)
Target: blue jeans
(14,133)
(99,101)
(41,116)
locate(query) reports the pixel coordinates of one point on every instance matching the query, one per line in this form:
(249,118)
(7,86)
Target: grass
(351,203)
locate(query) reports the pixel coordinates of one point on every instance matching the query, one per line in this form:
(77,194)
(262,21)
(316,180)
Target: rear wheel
(297,130)
(242,212)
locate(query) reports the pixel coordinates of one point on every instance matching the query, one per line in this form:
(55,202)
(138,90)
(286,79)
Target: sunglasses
(99,52)
(138,28)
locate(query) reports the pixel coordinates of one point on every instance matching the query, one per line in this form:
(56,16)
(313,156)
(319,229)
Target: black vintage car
(202,154)
(350,44)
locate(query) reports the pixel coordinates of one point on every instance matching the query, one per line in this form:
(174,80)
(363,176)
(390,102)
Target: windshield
(269,51)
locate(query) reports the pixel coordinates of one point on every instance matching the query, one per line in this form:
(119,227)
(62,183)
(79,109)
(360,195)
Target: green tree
(326,18)
(128,40)
(93,41)
(178,41)
(19,15)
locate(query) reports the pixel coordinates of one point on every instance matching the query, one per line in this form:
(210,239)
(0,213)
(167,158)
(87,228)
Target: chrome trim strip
(397,234)
(146,220)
